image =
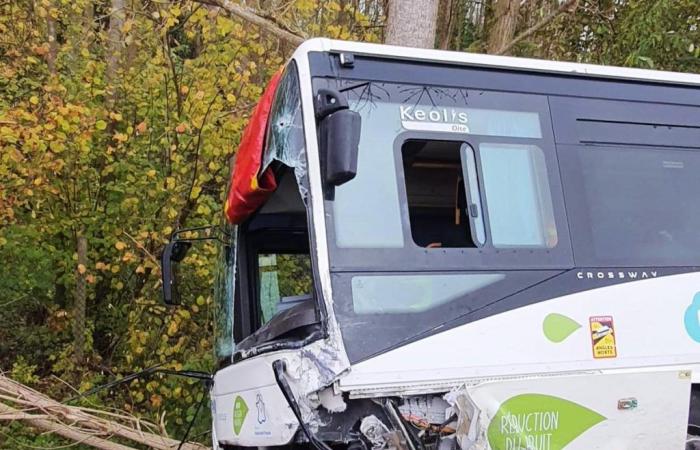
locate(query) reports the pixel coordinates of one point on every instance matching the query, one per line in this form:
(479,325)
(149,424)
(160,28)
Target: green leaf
(539,421)
(240,410)
(557,327)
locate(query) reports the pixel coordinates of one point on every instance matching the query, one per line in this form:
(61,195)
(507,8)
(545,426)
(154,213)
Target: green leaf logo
(539,421)
(240,410)
(557,327)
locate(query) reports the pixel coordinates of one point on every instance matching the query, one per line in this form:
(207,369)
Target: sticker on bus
(603,337)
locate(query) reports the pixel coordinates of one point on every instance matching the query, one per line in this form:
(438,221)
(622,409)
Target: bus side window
(518,197)
(444,198)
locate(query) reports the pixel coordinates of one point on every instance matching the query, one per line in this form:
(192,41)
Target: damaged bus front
(433,250)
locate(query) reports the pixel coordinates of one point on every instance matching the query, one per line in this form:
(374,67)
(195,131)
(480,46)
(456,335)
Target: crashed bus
(431,250)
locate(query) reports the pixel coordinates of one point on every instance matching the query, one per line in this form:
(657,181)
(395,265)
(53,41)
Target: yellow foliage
(113,153)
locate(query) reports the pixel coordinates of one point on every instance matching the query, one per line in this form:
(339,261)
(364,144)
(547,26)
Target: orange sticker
(603,337)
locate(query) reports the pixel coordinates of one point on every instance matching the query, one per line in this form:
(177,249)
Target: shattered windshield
(285,133)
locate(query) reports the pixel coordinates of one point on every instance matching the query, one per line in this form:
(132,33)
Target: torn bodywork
(425,422)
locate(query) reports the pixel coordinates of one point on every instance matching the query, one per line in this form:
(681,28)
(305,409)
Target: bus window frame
(412,257)
(246,321)
(474,142)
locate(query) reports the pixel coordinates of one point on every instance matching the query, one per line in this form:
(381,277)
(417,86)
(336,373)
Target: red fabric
(249,188)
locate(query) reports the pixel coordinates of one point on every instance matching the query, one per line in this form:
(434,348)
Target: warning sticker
(603,337)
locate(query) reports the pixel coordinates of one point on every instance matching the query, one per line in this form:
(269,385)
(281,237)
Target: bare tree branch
(83,425)
(566,6)
(268,24)
(41,422)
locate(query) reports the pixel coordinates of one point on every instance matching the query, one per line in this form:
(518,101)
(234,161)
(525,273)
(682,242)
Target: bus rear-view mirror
(339,137)
(173,253)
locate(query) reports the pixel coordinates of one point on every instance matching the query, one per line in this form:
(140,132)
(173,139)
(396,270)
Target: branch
(566,6)
(141,247)
(66,431)
(249,15)
(83,425)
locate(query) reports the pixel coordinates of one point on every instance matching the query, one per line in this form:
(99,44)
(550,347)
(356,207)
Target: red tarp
(250,188)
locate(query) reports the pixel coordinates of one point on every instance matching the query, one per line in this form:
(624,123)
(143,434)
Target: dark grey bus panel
(631,184)
(593,121)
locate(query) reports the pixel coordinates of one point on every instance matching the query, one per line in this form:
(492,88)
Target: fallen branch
(566,6)
(62,430)
(253,17)
(81,424)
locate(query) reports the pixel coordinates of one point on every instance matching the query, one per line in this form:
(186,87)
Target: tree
(117,120)
(411,23)
(503,24)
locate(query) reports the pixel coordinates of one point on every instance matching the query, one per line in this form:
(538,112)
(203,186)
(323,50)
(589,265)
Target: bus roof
(497,62)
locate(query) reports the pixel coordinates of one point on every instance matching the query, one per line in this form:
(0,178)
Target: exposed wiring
(444,425)
(194,417)
(397,420)
(202,376)
(425,426)
(115,383)
(278,368)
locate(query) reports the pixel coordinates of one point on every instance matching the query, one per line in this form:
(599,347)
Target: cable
(447,421)
(112,384)
(205,377)
(194,418)
(198,375)
(399,423)
(278,368)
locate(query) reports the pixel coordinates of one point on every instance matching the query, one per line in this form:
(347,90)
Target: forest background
(117,121)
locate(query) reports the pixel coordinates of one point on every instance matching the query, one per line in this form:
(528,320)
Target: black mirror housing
(340,140)
(339,136)
(173,253)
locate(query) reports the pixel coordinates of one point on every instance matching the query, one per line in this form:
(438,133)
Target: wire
(205,377)
(278,368)
(400,424)
(115,383)
(198,375)
(443,426)
(194,418)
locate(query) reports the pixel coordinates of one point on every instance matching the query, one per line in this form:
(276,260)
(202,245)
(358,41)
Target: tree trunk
(503,24)
(79,305)
(132,44)
(446,23)
(114,46)
(411,23)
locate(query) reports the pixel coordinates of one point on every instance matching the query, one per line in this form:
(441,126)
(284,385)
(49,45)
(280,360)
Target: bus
(433,250)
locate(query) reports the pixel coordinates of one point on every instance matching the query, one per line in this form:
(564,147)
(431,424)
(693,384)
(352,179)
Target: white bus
(463,251)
